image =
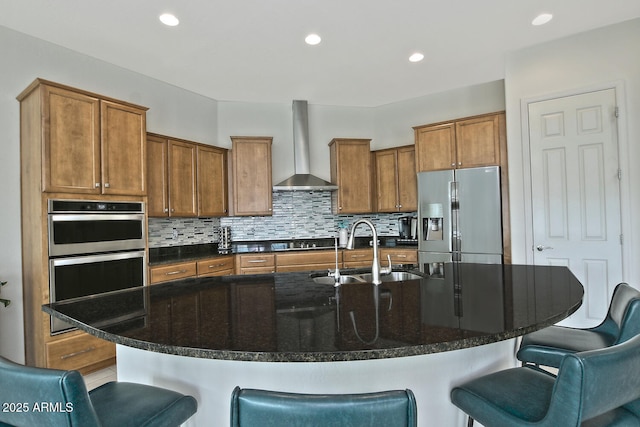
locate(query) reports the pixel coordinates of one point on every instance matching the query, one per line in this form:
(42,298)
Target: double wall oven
(96,247)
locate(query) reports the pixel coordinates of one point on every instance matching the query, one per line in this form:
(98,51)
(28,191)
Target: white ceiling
(254,50)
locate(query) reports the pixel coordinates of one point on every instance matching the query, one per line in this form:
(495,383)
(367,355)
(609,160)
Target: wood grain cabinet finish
(89,144)
(175,271)
(256,263)
(399,256)
(73,145)
(186,179)
(351,171)
(307,260)
(463,143)
(251,184)
(219,266)
(395,180)
(212,194)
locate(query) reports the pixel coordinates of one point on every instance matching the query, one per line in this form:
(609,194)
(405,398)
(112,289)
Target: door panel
(576,194)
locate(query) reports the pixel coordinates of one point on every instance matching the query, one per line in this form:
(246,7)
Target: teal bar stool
(54,398)
(263,408)
(592,389)
(548,346)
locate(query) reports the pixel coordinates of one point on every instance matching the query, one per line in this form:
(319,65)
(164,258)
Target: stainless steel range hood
(302,179)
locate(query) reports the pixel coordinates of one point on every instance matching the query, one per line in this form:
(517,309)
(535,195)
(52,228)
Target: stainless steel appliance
(459,217)
(95,248)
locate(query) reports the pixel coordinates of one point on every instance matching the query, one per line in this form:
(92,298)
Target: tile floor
(96,379)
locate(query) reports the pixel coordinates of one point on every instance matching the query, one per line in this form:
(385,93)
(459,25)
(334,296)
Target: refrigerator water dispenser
(432,222)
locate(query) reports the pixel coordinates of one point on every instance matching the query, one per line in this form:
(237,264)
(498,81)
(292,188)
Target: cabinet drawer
(215,266)
(78,351)
(165,273)
(357,255)
(399,256)
(307,257)
(266,260)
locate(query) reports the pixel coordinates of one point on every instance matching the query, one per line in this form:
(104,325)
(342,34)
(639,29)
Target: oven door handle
(95,217)
(87,259)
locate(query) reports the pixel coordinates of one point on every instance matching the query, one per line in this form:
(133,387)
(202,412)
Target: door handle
(541,248)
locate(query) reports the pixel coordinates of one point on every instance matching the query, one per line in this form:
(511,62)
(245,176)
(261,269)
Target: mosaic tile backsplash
(296,215)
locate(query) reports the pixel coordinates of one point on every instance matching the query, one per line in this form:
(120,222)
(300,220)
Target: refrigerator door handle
(455,209)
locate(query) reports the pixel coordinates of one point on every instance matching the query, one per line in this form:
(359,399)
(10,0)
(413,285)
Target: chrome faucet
(376,270)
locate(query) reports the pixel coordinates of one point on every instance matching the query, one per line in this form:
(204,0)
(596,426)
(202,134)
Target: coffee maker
(407,229)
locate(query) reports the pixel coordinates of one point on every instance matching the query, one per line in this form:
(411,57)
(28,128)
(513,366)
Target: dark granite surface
(287,317)
(171,254)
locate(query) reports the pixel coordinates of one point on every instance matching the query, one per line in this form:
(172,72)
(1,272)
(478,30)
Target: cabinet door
(351,171)
(212,181)
(435,147)
(182,179)
(157,179)
(387,181)
(123,152)
(71,142)
(252,189)
(407,180)
(478,142)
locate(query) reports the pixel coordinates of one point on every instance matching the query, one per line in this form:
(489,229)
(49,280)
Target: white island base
(211,381)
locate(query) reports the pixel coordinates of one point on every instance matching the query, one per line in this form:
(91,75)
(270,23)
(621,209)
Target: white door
(575,191)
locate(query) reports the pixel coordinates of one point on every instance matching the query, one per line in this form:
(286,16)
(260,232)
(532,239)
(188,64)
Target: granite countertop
(287,317)
(172,254)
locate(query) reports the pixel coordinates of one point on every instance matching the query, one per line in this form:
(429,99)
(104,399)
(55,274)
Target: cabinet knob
(453,164)
(166,210)
(97,185)
(459,163)
(106,185)
(173,210)
(399,206)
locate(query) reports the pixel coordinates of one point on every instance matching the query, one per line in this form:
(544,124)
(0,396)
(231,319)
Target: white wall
(602,57)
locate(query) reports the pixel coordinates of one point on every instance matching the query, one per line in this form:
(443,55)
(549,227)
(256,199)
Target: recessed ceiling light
(416,57)
(542,19)
(313,39)
(169,19)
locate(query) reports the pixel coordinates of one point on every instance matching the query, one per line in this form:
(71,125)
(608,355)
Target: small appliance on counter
(408,230)
(224,243)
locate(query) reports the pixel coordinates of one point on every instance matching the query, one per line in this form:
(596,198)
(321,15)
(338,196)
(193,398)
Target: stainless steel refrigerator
(459,217)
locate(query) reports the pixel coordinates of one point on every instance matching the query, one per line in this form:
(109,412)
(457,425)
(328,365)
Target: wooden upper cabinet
(157,176)
(465,143)
(478,141)
(212,181)
(123,131)
(182,179)
(251,176)
(351,171)
(395,182)
(185,178)
(90,144)
(435,147)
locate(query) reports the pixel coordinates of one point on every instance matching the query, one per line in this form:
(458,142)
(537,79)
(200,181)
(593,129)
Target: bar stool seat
(264,408)
(548,346)
(593,388)
(68,404)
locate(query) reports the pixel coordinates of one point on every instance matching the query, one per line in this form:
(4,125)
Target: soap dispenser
(343,235)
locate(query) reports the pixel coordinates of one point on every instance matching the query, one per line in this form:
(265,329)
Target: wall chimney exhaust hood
(302,180)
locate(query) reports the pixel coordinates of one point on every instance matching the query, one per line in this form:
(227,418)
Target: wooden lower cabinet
(165,273)
(80,351)
(221,266)
(256,264)
(306,261)
(357,258)
(399,256)
(215,266)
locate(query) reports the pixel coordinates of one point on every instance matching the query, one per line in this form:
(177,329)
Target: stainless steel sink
(330,280)
(394,276)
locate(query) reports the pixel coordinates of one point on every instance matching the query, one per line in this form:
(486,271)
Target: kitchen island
(287,332)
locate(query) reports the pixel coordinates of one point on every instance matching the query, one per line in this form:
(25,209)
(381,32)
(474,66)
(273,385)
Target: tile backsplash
(296,215)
